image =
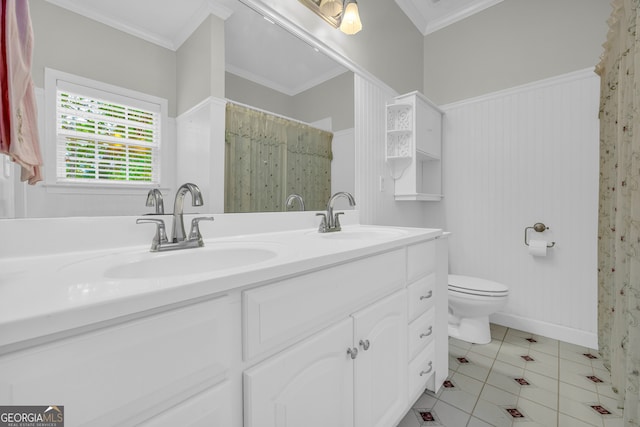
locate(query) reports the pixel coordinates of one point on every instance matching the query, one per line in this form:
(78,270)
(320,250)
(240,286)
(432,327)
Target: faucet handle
(194,233)
(336,220)
(323,224)
(161,231)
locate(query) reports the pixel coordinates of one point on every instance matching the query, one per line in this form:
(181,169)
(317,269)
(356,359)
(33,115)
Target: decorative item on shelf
(342,14)
(399,136)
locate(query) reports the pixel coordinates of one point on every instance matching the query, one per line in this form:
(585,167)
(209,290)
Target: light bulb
(351,19)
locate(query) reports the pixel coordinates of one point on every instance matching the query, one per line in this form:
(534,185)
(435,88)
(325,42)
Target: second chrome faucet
(330,221)
(179,239)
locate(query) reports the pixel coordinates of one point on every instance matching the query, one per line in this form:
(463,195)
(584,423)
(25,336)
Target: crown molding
(459,15)
(427,26)
(208,7)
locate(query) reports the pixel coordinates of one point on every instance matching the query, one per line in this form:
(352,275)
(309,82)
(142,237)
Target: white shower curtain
(619,210)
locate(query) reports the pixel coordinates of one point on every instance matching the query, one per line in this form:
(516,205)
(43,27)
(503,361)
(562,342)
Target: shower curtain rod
(251,107)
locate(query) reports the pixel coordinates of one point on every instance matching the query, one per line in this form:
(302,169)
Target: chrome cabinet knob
(426,334)
(365,344)
(353,352)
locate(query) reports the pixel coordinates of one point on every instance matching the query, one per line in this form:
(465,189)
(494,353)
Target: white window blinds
(106,139)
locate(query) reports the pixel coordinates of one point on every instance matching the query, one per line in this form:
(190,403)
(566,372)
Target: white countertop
(45,294)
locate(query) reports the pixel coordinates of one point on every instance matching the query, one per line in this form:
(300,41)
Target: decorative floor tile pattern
(519,380)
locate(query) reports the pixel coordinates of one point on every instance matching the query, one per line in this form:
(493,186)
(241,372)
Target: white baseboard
(558,332)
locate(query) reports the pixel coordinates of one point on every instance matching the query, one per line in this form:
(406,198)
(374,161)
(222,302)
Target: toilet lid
(476,286)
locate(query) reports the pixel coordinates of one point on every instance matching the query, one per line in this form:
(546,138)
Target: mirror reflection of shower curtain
(269,157)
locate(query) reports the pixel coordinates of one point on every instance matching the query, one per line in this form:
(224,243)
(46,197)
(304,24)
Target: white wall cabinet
(414,147)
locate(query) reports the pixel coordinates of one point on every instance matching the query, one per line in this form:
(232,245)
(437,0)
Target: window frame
(55,80)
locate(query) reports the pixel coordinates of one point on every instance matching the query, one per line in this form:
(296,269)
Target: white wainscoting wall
(514,158)
(200,154)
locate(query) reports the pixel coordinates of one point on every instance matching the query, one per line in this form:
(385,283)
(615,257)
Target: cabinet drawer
(421,371)
(421,296)
(211,408)
(421,260)
(421,333)
(284,312)
(125,373)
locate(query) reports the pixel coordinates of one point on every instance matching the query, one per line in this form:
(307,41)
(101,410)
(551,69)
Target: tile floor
(519,380)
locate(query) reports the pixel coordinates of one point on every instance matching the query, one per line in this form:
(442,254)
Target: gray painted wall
(388,47)
(333,98)
(200,64)
(72,43)
(512,43)
(247,92)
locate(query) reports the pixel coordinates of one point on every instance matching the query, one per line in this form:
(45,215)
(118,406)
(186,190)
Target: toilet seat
(475,286)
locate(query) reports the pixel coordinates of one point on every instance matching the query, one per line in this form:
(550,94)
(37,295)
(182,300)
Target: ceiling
(253,46)
(431,15)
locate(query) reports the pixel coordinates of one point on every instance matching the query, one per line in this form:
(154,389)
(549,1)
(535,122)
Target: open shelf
(413,147)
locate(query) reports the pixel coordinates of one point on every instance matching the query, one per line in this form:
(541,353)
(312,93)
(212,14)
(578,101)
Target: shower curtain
(619,210)
(268,157)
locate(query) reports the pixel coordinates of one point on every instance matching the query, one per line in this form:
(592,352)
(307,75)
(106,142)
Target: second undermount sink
(214,257)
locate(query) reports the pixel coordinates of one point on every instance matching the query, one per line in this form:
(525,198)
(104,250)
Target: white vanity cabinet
(347,335)
(427,267)
(383,348)
(135,370)
(351,372)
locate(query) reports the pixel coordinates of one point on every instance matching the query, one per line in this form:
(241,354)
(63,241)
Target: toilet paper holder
(538,227)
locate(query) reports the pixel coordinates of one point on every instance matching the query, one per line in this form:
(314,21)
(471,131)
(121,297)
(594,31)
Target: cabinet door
(309,384)
(381,369)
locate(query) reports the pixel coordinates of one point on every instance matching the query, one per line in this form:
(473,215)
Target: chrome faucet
(330,221)
(154,198)
(179,239)
(177,231)
(292,197)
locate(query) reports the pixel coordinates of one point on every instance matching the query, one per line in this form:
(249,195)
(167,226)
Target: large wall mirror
(267,68)
(271,70)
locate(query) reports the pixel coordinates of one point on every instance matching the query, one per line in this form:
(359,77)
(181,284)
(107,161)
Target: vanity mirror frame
(308,37)
(314,5)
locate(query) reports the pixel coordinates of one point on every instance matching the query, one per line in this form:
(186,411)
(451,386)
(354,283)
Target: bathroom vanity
(287,328)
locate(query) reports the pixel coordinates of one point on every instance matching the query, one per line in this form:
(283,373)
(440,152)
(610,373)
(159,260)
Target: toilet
(471,301)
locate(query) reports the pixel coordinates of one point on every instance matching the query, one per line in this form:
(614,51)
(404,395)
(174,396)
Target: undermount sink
(208,259)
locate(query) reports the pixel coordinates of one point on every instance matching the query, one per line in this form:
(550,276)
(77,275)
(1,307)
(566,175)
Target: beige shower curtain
(619,210)
(269,157)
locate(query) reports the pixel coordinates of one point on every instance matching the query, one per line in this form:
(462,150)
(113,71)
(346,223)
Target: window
(104,135)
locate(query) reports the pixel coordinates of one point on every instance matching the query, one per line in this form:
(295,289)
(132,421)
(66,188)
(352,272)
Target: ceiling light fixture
(350,23)
(342,14)
(331,7)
